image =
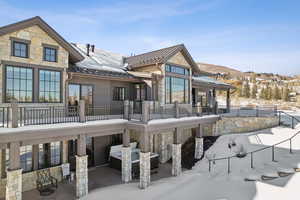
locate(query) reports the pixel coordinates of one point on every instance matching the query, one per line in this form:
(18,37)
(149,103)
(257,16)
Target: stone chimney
(93,48)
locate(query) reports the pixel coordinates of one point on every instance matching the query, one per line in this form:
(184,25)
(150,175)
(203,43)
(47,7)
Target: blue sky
(249,35)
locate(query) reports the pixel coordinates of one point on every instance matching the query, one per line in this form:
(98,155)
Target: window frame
(5,83)
(118,89)
(80,91)
(52,47)
(39,85)
(21,41)
(171,74)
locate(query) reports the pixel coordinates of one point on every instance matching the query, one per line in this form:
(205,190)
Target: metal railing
(104,112)
(251,111)
(251,153)
(47,115)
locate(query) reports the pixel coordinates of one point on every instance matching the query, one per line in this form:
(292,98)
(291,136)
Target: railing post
(216,108)
(228,165)
(275,110)
(279,118)
(145,111)
(82,111)
(176,107)
(291,146)
(13,115)
(209,165)
(199,109)
(126,109)
(273,154)
(130,109)
(257,111)
(293,125)
(251,160)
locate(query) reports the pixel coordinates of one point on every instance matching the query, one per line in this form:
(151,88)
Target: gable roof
(160,56)
(75,56)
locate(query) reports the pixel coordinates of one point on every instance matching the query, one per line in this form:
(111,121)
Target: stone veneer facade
(37,38)
(126,164)
(81,176)
(145,170)
(14,185)
(176,159)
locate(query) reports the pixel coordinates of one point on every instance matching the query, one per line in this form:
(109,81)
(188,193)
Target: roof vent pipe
(93,48)
(88,49)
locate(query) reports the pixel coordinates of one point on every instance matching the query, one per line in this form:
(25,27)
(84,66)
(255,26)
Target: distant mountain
(215,69)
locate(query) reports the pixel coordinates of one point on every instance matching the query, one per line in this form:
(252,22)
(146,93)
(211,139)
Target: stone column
(199,142)
(145,161)
(176,153)
(176,158)
(2,163)
(35,157)
(81,176)
(126,158)
(82,111)
(81,167)
(126,164)
(214,129)
(14,173)
(163,148)
(144,170)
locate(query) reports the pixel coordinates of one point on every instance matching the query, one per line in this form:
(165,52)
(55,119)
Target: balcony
(16,116)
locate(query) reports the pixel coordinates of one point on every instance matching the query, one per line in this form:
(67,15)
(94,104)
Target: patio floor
(99,177)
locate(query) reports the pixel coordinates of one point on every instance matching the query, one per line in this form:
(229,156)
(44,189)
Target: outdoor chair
(45,182)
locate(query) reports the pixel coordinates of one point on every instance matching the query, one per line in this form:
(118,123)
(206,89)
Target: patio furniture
(45,182)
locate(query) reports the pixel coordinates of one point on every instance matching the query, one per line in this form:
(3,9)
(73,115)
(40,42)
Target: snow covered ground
(200,184)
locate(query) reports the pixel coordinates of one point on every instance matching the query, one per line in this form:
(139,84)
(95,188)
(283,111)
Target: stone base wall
(244,124)
(29,180)
(14,185)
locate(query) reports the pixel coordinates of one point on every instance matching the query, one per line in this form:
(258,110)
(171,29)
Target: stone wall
(29,180)
(37,38)
(244,124)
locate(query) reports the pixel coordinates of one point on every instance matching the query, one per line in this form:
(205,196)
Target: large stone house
(156,99)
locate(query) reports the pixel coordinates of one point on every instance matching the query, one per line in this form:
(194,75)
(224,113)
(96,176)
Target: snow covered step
(270,176)
(253,177)
(286,170)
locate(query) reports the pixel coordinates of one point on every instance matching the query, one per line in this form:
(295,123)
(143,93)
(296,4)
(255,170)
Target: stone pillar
(198,148)
(163,148)
(14,185)
(144,170)
(176,152)
(145,160)
(2,163)
(13,115)
(145,111)
(176,159)
(126,109)
(126,164)
(214,129)
(81,167)
(81,176)
(126,158)
(14,173)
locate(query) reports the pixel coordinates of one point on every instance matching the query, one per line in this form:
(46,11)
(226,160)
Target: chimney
(88,49)
(93,48)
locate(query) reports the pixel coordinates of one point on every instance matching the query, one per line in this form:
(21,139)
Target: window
(50,54)
(49,91)
(55,153)
(119,94)
(177,70)
(18,84)
(140,91)
(177,89)
(83,92)
(26,158)
(20,49)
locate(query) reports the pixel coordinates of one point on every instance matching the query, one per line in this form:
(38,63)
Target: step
(253,178)
(270,176)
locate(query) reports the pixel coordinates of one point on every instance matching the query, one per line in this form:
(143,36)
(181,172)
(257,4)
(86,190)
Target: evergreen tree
(254,91)
(276,93)
(246,90)
(285,93)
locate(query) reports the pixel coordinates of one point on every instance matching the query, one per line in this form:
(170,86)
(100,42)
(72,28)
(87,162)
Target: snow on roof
(100,60)
(209,80)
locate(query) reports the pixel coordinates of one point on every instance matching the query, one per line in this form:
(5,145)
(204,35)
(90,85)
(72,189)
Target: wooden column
(177,136)
(3,163)
(82,111)
(228,101)
(64,152)
(126,138)
(35,157)
(145,160)
(81,167)
(145,111)
(199,131)
(126,158)
(13,115)
(176,152)
(14,156)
